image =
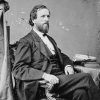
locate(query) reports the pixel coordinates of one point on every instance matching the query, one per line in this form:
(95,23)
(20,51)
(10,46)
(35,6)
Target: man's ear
(34,21)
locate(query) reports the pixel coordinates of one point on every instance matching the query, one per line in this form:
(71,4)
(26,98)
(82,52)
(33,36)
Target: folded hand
(50,78)
(69,70)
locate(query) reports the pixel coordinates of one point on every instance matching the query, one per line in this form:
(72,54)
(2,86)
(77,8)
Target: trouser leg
(80,94)
(70,83)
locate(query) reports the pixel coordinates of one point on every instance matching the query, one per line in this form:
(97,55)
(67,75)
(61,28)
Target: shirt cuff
(68,66)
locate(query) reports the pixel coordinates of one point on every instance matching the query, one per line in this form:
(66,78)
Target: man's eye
(48,16)
(43,16)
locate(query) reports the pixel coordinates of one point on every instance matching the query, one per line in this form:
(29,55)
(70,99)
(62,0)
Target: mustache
(46,23)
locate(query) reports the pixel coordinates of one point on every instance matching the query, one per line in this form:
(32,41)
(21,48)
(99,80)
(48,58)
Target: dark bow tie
(44,34)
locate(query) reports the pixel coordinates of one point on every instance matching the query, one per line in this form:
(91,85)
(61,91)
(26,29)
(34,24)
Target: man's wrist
(44,75)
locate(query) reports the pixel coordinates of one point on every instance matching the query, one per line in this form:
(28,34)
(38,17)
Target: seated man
(38,58)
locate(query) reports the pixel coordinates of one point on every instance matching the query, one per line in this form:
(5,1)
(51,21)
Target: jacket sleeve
(22,68)
(66,60)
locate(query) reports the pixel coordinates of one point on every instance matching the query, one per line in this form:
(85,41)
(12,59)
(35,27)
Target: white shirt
(46,41)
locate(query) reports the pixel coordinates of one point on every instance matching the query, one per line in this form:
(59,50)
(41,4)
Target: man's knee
(87,76)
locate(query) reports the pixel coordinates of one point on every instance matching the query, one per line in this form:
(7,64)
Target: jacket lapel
(57,51)
(40,44)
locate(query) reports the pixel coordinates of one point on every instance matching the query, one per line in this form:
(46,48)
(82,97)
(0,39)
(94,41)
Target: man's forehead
(43,12)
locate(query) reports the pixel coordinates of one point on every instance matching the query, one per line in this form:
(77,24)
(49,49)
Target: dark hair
(33,13)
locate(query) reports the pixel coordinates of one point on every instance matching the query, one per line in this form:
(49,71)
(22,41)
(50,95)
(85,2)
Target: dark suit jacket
(31,61)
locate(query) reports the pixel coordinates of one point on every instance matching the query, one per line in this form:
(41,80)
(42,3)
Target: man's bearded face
(42,20)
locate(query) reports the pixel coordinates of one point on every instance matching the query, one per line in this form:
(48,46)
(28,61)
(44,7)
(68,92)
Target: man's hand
(69,70)
(50,78)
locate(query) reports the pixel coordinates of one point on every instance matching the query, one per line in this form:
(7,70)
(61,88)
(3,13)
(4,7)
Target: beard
(44,28)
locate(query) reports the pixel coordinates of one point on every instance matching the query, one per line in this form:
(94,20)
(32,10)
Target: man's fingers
(50,78)
(54,80)
(69,70)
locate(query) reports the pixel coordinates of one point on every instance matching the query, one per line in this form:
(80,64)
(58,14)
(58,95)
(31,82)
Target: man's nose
(46,18)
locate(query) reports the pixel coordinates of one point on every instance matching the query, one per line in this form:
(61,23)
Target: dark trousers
(80,94)
(78,86)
